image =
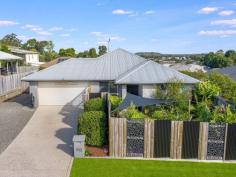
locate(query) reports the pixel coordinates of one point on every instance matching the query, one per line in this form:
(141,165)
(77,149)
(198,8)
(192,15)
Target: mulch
(97,151)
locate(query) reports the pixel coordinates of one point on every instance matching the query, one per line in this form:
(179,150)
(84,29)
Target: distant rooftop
(229,71)
(22,51)
(55,61)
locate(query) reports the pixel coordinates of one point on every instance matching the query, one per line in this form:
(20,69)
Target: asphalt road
(14,115)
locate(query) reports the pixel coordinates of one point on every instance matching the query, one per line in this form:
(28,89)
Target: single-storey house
(8,63)
(116,72)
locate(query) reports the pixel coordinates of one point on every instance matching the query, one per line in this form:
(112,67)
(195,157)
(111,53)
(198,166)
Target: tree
(70,52)
(102,50)
(231,54)
(11,40)
(4,48)
(217,60)
(92,53)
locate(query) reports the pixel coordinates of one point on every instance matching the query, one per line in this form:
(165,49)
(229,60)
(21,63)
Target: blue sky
(170,26)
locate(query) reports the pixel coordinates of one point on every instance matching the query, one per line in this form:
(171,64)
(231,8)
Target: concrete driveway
(44,146)
(14,115)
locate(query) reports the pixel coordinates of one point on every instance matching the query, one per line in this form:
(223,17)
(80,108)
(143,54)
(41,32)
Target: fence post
(203,136)
(225,144)
(117,137)
(148,138)
(176,139)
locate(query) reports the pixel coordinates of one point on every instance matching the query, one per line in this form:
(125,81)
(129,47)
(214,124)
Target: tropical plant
(207,90)
(115,101)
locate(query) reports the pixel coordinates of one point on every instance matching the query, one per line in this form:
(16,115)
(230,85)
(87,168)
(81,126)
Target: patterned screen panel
(216,141)
(162,136)
(231,142)
(190,140)
(135,138)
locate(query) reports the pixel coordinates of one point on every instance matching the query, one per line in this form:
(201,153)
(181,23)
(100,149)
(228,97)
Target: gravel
(14,115)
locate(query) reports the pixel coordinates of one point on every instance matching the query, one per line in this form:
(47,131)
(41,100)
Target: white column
(124,91)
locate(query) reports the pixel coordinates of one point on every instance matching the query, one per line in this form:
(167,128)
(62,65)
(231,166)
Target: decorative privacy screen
(162,135)
(135,138)
(231,143)
(190,140)
(215,143)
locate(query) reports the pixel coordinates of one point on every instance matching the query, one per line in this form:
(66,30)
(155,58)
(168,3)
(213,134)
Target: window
(109,86)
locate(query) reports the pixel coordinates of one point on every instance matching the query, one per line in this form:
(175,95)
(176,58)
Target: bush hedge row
(96,104)
(93,125)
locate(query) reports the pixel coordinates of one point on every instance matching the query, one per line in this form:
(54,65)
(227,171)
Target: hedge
(93,125)
(95,104)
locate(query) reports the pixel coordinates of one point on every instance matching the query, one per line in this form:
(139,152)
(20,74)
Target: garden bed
(97,151)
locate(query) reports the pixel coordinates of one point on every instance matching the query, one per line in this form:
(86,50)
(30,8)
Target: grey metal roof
(7,56)
(151,72)
(113,65)
(230,71)
(105,67)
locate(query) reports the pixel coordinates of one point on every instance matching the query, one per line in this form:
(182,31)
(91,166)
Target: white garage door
(60,93)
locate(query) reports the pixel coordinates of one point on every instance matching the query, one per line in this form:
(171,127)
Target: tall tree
(70,52)
(92,53)
(11,40)
(102,50)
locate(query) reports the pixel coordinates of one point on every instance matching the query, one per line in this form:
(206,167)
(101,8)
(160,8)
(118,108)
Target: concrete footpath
(44,146)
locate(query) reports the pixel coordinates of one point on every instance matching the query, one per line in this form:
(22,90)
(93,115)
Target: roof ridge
(132,70)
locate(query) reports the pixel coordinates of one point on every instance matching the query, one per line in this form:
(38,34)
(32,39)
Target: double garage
(57,93)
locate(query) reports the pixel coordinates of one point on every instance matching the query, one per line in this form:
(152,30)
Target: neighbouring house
(30,57)
(53,62)
(189,67)
(229,71)
(8,63)
(116,72)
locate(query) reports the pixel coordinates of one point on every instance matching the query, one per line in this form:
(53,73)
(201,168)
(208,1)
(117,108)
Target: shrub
(115,101)
(223,114)
(132,113)
(159,114)
(95,104)
(93,125)
(207,90)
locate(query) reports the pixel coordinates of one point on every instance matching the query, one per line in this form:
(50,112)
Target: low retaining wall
(171,139)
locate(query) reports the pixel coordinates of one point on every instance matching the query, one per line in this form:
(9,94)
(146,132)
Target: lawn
(149,168)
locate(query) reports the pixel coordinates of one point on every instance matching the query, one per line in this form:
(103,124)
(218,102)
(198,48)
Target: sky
(170,26)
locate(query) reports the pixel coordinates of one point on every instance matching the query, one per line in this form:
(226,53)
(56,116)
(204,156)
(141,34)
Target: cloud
(72,30)
(24,38)
(102,42)
(122,12)
(7,23)
(226,12)
(102,37)
(231,22)
(65,35)
(55,28)
(150,12)
(208,10)
(220,33)
(37,29)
